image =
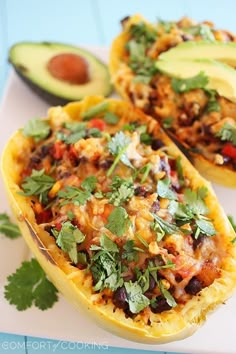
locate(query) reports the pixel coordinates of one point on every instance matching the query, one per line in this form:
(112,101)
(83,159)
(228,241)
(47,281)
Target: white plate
(62,321)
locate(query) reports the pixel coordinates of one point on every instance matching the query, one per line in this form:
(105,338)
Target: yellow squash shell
(120,71)
(75,284)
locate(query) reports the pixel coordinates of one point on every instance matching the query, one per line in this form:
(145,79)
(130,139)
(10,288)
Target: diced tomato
(58,226)
(73,152)
(58,150)
(229,150)
(44,216)
(26,172)
(97,123)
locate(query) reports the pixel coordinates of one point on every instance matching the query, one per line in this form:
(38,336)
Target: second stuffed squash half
(119,219)
(193,98)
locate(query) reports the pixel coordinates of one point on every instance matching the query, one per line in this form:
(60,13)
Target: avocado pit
(69,67)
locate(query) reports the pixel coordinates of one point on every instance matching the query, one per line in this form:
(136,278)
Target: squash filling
(200,119)
(119,204)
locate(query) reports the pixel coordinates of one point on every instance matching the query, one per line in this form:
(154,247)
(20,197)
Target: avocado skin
(43,93)
(48,97)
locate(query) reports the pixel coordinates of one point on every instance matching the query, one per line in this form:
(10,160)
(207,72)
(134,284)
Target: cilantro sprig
(121,190)
(68,238)
(36,128)
(227,133)
(37,184)
(118,221)
(105,265)
(193,210)
(8,228)
(29,286)
(202,30)
(164,189)
(136,299)
(78,196)
(117,146)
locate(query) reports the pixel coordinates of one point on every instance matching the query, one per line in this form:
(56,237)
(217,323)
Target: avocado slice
(222,51)
(58,72)
(221,77)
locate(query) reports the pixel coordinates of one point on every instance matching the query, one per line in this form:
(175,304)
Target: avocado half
(33,62)
(222,51)
(221,77)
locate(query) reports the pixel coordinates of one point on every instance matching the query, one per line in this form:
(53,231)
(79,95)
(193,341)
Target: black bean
(49,228)
(186,37)
(160,305)
(140,191)
(155,206)
(185,120)
(120,298)
(35,159)
(152,283)
(164,165)
(45,150)
(199,241)
(194,286)
(106,163)
(157,144)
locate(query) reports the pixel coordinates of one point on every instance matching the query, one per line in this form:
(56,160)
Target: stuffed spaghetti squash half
(119,219)
(200,119)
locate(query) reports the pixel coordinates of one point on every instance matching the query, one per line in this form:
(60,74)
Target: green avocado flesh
(222,51)
(30,61)
(221,77)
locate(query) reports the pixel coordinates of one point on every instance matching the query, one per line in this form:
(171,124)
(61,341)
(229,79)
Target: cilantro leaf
(231,220)
(180,171)
(141,32)
(37,128)
(89,183)
(111,118)
(117,147)
(121,191)
(95,110)
(76,195)
(212,105)
(72,138)
(195,200)
(29,286)
(167,122)
(105,265)
(118,220)
(166,25)
(184,85)
(37,184)
(75,126)
(163,189)
(163,227)
(136,300)
(142,65)
(202,30)
(206,227)
(227,133)
(68,238)
(8,228)
(130,252)
(167,295)
(107,244)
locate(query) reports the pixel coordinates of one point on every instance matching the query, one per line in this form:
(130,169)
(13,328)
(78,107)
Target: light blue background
(87,22)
